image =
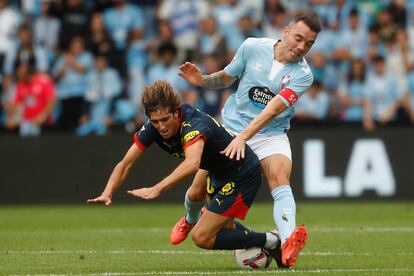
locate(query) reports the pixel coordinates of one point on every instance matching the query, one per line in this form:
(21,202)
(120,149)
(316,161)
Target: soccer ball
(252,258)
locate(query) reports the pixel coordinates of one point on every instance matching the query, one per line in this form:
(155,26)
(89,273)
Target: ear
(176,113)
(285,31)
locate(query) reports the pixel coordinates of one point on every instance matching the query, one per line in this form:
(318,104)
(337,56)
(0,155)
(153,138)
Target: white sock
(271,241)
(284,211)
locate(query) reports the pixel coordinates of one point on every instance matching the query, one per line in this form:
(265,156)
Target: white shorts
(265,146)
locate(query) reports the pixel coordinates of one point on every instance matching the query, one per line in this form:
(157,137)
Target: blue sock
(241,227)
(193,209)
(284,211)
(238,239)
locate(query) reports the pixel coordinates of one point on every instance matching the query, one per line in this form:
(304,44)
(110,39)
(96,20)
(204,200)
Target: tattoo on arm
(215,80)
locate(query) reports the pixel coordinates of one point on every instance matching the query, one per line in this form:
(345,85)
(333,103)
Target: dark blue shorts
(233,198)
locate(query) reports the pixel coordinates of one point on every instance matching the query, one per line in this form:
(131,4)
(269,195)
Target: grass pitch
(344,238)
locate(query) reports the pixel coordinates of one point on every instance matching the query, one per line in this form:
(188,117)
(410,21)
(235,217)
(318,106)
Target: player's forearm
(119,174)
(273,108)
(217,80)
(185,169)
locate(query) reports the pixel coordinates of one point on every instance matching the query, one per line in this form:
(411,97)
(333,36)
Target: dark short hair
(378,58)
(167,47)
(317,84)
(160,95)
(311,20)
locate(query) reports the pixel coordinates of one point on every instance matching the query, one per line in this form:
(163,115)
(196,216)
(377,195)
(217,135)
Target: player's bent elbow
(193,166)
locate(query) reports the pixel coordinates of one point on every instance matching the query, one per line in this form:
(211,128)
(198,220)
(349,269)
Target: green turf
(344,238)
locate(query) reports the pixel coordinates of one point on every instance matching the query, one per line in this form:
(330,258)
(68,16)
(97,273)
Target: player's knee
(202,240)
(276,180)
(195,194)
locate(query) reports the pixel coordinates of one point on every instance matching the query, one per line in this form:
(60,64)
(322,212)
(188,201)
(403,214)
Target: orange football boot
(293,245)
(180,231)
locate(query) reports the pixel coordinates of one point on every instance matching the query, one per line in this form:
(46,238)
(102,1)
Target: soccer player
(273,74)
(183,131)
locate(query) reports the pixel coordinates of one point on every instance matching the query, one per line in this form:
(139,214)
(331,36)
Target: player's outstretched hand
(191,73)
(103,199)
(235,148)
(146,193)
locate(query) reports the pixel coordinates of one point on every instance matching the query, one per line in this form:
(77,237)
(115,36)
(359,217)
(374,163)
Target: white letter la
(316,184)
(369,169)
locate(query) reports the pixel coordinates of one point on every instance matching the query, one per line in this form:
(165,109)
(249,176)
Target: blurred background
(352,136)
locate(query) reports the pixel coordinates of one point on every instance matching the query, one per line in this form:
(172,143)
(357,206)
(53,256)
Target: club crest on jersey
(285,82)
(227,189)
(260,96)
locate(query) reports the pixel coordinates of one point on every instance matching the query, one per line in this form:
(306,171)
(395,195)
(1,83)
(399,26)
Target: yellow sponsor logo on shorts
(190,135)
(227,189)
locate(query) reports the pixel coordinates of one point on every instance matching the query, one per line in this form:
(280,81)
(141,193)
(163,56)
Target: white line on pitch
(360,229)
(189,252)
(363,270)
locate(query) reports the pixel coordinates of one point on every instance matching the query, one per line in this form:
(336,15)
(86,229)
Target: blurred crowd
(81,66)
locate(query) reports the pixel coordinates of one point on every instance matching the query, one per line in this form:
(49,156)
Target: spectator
(165,34)
(34,97)
(10,21)
(104,84)
(99,42)
(227,15)
(122,19)
(70,74)
(313,105)
(185,16)
(22,51)
(212,100)
(46,29)
(353,36)
(167,69)
(210,41)
(374,47)
(324,71)
(399,12)
(382,94)
(400,59)
(25,51)
(351,93)
(387,26)
(244,30)
(274,23)
(137,61)
(74,17)
(31,8)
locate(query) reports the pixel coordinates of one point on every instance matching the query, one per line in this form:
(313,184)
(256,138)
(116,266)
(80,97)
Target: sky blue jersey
(262,78)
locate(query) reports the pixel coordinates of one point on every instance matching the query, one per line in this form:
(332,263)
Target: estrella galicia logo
(260,96)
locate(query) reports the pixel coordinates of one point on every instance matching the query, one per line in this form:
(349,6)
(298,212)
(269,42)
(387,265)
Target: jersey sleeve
(193,130)
(145,136)
(297,86)
(236,67)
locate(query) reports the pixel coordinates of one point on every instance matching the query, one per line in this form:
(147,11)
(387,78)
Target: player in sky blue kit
(187,133)
(273,75)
